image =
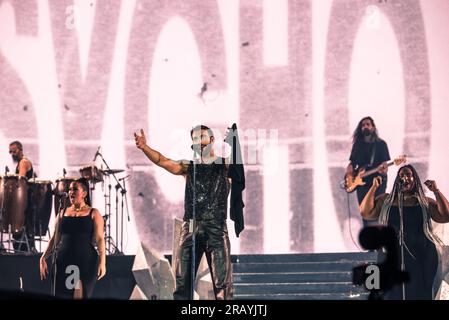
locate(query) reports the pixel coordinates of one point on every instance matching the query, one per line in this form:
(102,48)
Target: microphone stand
(124,197)
(62,205)
(401,235)
(192,226)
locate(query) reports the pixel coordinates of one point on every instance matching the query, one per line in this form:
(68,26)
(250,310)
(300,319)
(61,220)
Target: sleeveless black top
(29,174)
(211,191)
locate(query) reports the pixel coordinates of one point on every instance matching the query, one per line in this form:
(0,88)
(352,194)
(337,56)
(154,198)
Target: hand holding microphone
(377,182)
(401,183)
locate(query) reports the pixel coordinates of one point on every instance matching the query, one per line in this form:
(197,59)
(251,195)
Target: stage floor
(20,273)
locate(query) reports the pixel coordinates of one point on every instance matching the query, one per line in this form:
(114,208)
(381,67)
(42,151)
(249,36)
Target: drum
(13,202)
(91,173)
(61,191)
(39,207)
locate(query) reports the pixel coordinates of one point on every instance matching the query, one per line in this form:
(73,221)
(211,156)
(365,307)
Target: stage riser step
(293,267)
(292,277)
(323,296)
(306,257)
(326,276)
(274,288)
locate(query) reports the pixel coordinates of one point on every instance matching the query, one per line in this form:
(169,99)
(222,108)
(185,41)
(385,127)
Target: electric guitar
(351,183)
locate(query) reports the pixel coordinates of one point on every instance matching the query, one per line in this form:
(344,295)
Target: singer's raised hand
(377,181)
(431,185)
(140,140)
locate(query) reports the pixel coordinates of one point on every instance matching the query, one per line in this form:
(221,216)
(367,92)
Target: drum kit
(26,205)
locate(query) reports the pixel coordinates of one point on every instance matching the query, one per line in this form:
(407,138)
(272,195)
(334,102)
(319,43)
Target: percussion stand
(2,247)
(33,231)
(2,216)
(107,217)
(118,186)
(91,193)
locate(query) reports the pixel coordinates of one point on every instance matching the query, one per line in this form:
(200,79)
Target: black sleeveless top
(29,174)
(211,191)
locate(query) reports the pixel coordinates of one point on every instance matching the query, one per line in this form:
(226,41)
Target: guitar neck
(372,171)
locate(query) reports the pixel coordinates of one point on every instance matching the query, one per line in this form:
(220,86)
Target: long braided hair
(418,191)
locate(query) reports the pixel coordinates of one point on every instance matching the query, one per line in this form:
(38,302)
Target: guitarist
(368,152)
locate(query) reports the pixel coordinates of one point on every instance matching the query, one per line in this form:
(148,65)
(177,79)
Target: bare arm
(99,240)
(24,166)
(350,170)
(156,157)
(370,207)
(439,208)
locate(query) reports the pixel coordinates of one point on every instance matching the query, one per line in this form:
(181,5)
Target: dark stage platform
(19,275)
(317,276)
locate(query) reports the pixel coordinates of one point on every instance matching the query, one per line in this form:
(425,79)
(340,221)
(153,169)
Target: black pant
(211,237)
(363,190)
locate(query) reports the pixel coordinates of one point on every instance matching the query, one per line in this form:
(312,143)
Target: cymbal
(112,171)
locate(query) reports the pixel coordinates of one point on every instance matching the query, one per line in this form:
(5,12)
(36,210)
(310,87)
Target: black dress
(76,252)
(423,265)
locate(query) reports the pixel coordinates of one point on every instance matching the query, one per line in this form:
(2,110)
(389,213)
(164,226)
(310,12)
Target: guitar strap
(373,154)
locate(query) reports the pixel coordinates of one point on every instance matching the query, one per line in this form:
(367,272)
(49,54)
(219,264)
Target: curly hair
(84,184)
(358,135)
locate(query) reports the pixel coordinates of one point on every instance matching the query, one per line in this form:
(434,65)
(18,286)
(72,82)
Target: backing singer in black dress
(420,243)
(78,265)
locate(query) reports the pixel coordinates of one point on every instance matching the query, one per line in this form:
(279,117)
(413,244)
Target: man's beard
(201,150)
(205,151)
(15,158)
(366,132)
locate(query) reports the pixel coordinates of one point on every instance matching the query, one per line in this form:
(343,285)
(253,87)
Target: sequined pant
(211,238)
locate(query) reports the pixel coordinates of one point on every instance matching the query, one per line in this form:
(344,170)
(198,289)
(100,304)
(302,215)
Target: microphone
(401,183)
(196,148)
(64,172)
(228,136)
(6,170)
(97,154)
